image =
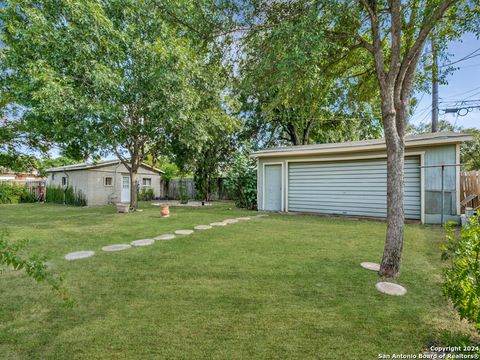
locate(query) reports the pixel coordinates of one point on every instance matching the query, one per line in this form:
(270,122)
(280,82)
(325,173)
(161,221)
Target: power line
(466,57)
(424,110)
(470,96)
(471,66)
(461,110)
(460,94)
(459,102)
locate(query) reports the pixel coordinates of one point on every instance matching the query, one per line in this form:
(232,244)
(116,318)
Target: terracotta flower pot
(164,211)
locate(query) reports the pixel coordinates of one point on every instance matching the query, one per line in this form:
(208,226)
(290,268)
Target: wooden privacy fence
(171,190)
(470,189)
(36,187)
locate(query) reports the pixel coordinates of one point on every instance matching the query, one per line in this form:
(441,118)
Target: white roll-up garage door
(357,188)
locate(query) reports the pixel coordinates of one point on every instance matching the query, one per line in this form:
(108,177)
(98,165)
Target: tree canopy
(291,87)
(117,76)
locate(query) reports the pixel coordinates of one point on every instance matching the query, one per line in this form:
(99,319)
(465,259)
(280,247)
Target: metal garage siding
(357,188)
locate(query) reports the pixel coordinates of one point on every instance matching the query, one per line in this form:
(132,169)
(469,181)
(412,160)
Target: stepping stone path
(143,242)
(390,288)
(244,218)
(370,266)
(230,221)
(117,247)
(202,227)
(184,232)
(165,237)
(79,255)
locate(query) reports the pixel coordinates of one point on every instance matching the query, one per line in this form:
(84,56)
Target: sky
(463,84)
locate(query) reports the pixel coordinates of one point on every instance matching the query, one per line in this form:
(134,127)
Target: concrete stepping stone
(79,255)
(218,224)
(165,237)
(244,218)
(202,227)
(116,247)
(261,215)
(230,221)
(184,232)
(142,242)
(370,266)
(390,288)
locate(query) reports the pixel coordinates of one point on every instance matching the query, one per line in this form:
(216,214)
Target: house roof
(429,139)
(94,165)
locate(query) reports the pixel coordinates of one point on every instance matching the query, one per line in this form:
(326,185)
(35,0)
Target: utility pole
(434,87)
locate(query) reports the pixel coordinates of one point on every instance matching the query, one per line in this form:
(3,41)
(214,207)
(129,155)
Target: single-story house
(351,178)
(104,182)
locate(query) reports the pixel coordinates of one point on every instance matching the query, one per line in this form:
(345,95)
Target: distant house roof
(430,139)
(94,165)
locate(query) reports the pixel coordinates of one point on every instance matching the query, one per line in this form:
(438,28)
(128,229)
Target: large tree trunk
(133,188)
(394,139)
(395,83)
(134,166)
(390,266)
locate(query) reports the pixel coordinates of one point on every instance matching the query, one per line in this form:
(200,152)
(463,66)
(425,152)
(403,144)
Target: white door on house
(125,195)
(273,187)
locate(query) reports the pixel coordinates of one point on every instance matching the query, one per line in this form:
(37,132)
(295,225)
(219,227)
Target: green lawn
(279,287)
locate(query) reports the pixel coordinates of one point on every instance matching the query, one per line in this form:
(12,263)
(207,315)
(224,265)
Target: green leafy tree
(241,180)
(470,152)
(116,76)
(214,155)
(394,38)
(34,266)
(387,37)
(462,275)
(47,162)
(290,88)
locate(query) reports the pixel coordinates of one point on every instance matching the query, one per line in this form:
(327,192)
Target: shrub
(27,197)
(11,193)
(241,181)
(462,275)
(34,266)
(146,194)
(67,196)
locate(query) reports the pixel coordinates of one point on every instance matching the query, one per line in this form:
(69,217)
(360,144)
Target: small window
(53,176)
(147,182)
(126,182)
(108,181)
(64,181)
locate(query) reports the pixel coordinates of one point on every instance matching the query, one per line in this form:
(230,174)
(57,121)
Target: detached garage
(351,178)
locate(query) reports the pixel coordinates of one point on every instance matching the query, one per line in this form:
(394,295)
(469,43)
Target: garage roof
(429,139)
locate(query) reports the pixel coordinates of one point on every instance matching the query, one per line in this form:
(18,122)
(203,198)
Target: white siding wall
(92,182)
